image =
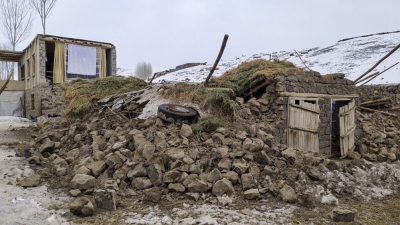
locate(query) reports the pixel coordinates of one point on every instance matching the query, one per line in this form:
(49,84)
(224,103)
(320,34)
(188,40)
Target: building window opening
(32,101)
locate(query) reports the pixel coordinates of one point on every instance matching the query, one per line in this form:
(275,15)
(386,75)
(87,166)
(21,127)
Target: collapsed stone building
(50,60)
(310,112)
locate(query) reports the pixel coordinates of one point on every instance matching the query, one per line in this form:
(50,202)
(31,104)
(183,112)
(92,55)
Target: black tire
(177,113)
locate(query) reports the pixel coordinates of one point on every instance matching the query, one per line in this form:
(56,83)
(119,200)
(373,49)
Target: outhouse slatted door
(303,124)
(347,127)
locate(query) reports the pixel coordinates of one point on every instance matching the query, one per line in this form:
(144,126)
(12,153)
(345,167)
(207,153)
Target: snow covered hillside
(352,56)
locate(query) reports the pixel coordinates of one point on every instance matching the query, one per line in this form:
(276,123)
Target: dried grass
(211,99)
(80,94)
(245,73)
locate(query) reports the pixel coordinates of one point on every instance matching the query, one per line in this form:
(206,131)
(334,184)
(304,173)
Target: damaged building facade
(52,60)
(308,111)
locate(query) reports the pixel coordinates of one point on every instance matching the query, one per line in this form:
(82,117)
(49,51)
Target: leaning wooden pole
(221,51)
(7,81)
(374,110)
(302,60)
(367,77)
(379,62)
(375,76)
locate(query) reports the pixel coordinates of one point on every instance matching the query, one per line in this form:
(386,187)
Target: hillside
(351,56)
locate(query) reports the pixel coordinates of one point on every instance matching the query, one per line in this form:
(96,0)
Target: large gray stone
(189,179)
(342,215)
(81,207)
(176,153)
(138,171)
(251,194)
(248,181)
(152,194)
(30,181)
(155,174)
(106,199)
(288,194)
(141,183)
(97,167)
(232,176)
(60,161)
(240,168)
(225,164)
(214,175)
(222,187)
(314,173)
(176,187)
(114,160)
(171,176)
(47,146)
(198,186)
(83,170)
(82,182)
(186,131)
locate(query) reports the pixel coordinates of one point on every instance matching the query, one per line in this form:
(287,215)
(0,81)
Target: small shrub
(213,99)
(210,124)
(221,102)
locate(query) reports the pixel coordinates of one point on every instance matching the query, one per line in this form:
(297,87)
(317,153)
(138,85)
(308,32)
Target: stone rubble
(109,157)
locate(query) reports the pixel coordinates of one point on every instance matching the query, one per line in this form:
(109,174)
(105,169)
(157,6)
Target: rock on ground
(81,207)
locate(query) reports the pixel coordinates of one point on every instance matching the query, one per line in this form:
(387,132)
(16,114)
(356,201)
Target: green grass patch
(210,124)
(80,94)
(214,99)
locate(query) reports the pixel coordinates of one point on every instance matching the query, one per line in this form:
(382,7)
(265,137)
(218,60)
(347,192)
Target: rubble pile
(109,155)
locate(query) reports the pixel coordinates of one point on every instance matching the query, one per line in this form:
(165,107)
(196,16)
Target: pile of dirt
(110,157)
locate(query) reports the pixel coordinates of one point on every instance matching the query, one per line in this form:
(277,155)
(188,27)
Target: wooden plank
(304,129)
(373,110)
(348,111)
(303,125)
(351,130)
(304,108)
(375,101)
(347,127)
(257,88)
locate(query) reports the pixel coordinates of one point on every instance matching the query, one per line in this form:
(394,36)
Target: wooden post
(379,62)
(373,110)
(7,81)
(367,77)
(375,76)
(221,51)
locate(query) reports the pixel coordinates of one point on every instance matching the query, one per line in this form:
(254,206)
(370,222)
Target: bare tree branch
(143,70)
(16,20)
(43,7)
(5,67)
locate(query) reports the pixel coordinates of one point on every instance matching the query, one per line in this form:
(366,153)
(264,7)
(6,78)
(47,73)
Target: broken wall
(308,84)
(369,92)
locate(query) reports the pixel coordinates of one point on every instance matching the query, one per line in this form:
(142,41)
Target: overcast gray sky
(173,32)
